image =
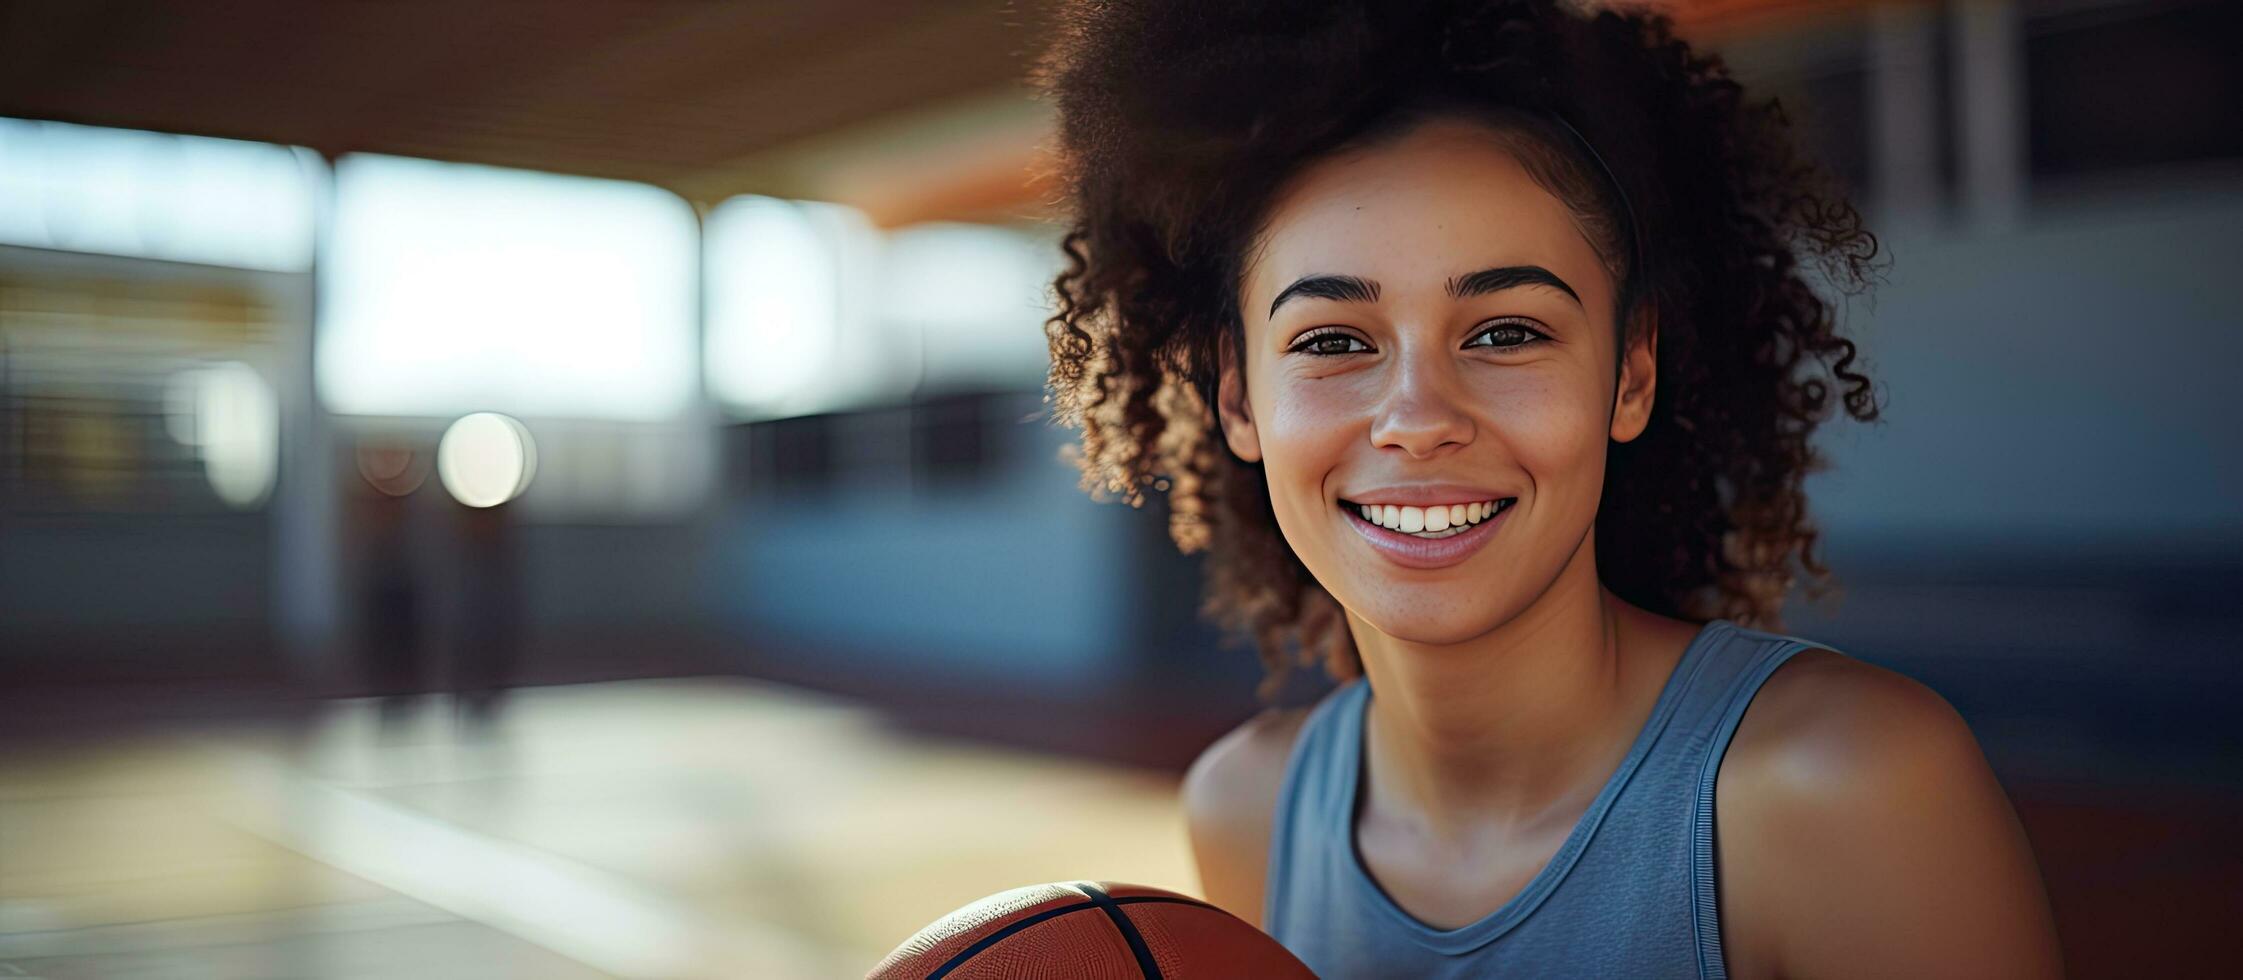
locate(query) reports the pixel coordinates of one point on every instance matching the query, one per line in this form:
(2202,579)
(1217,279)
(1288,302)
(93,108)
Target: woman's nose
(1423,407)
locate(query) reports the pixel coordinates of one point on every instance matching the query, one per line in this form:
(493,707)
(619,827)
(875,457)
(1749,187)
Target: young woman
(1472,342)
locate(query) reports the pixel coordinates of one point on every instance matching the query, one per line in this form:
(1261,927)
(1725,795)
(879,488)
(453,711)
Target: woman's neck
(1511,727)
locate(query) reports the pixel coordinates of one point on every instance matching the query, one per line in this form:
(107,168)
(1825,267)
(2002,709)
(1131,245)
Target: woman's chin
(1434,623)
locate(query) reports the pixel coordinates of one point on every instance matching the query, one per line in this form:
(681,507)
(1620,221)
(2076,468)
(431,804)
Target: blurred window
(156,195)
(449,288)
(789,330)
(976,297)
(811,309)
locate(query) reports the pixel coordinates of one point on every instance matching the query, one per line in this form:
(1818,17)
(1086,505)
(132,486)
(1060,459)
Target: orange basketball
(1083,930)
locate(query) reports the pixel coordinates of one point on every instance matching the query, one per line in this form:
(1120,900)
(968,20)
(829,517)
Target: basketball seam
(1145,962)
(996,937)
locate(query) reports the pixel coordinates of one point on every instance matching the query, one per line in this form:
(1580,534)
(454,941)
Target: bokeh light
(486,459)
(228,412)
(390,467)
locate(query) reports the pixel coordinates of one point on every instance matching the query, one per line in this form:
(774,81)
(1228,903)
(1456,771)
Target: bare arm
(1867,837)
(1230,797)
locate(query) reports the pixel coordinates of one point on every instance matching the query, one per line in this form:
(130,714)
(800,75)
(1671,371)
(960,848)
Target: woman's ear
(1230,403)
(1631,408)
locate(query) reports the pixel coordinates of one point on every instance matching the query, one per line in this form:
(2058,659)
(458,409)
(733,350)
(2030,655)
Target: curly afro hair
(1180,119)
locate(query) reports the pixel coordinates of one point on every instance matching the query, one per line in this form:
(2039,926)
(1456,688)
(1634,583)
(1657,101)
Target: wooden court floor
(669,828)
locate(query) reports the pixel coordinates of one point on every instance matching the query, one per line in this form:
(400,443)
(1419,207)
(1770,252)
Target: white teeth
(1438,521)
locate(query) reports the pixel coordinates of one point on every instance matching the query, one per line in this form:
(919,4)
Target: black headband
(1636,250)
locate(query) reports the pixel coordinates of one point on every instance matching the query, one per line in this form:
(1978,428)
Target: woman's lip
(1424,495)
(1411,551)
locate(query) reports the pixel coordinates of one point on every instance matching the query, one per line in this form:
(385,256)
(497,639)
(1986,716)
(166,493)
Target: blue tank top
(1629,894)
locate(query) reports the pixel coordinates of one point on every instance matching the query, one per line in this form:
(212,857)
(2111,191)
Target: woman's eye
(1331,343)
(1507,336)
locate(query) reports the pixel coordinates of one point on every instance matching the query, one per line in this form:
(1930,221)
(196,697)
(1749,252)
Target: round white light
(486,459)
(233,420)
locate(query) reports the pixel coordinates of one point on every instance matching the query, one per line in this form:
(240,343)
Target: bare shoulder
(1823,717)
(1861,832)
(1230,796)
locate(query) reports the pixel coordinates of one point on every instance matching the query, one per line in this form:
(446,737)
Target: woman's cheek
(1306,437)
(1558,439)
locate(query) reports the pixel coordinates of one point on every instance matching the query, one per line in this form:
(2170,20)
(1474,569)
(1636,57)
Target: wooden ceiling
(912,109)
(665,92)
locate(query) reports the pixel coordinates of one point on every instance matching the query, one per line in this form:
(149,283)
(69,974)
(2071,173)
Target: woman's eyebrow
(1356,289)
(1350,289)
(1507,277)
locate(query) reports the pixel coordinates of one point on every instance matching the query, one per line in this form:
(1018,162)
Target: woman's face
(1426,332)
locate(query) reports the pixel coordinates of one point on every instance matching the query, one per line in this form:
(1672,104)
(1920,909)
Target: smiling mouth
(1430,523)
